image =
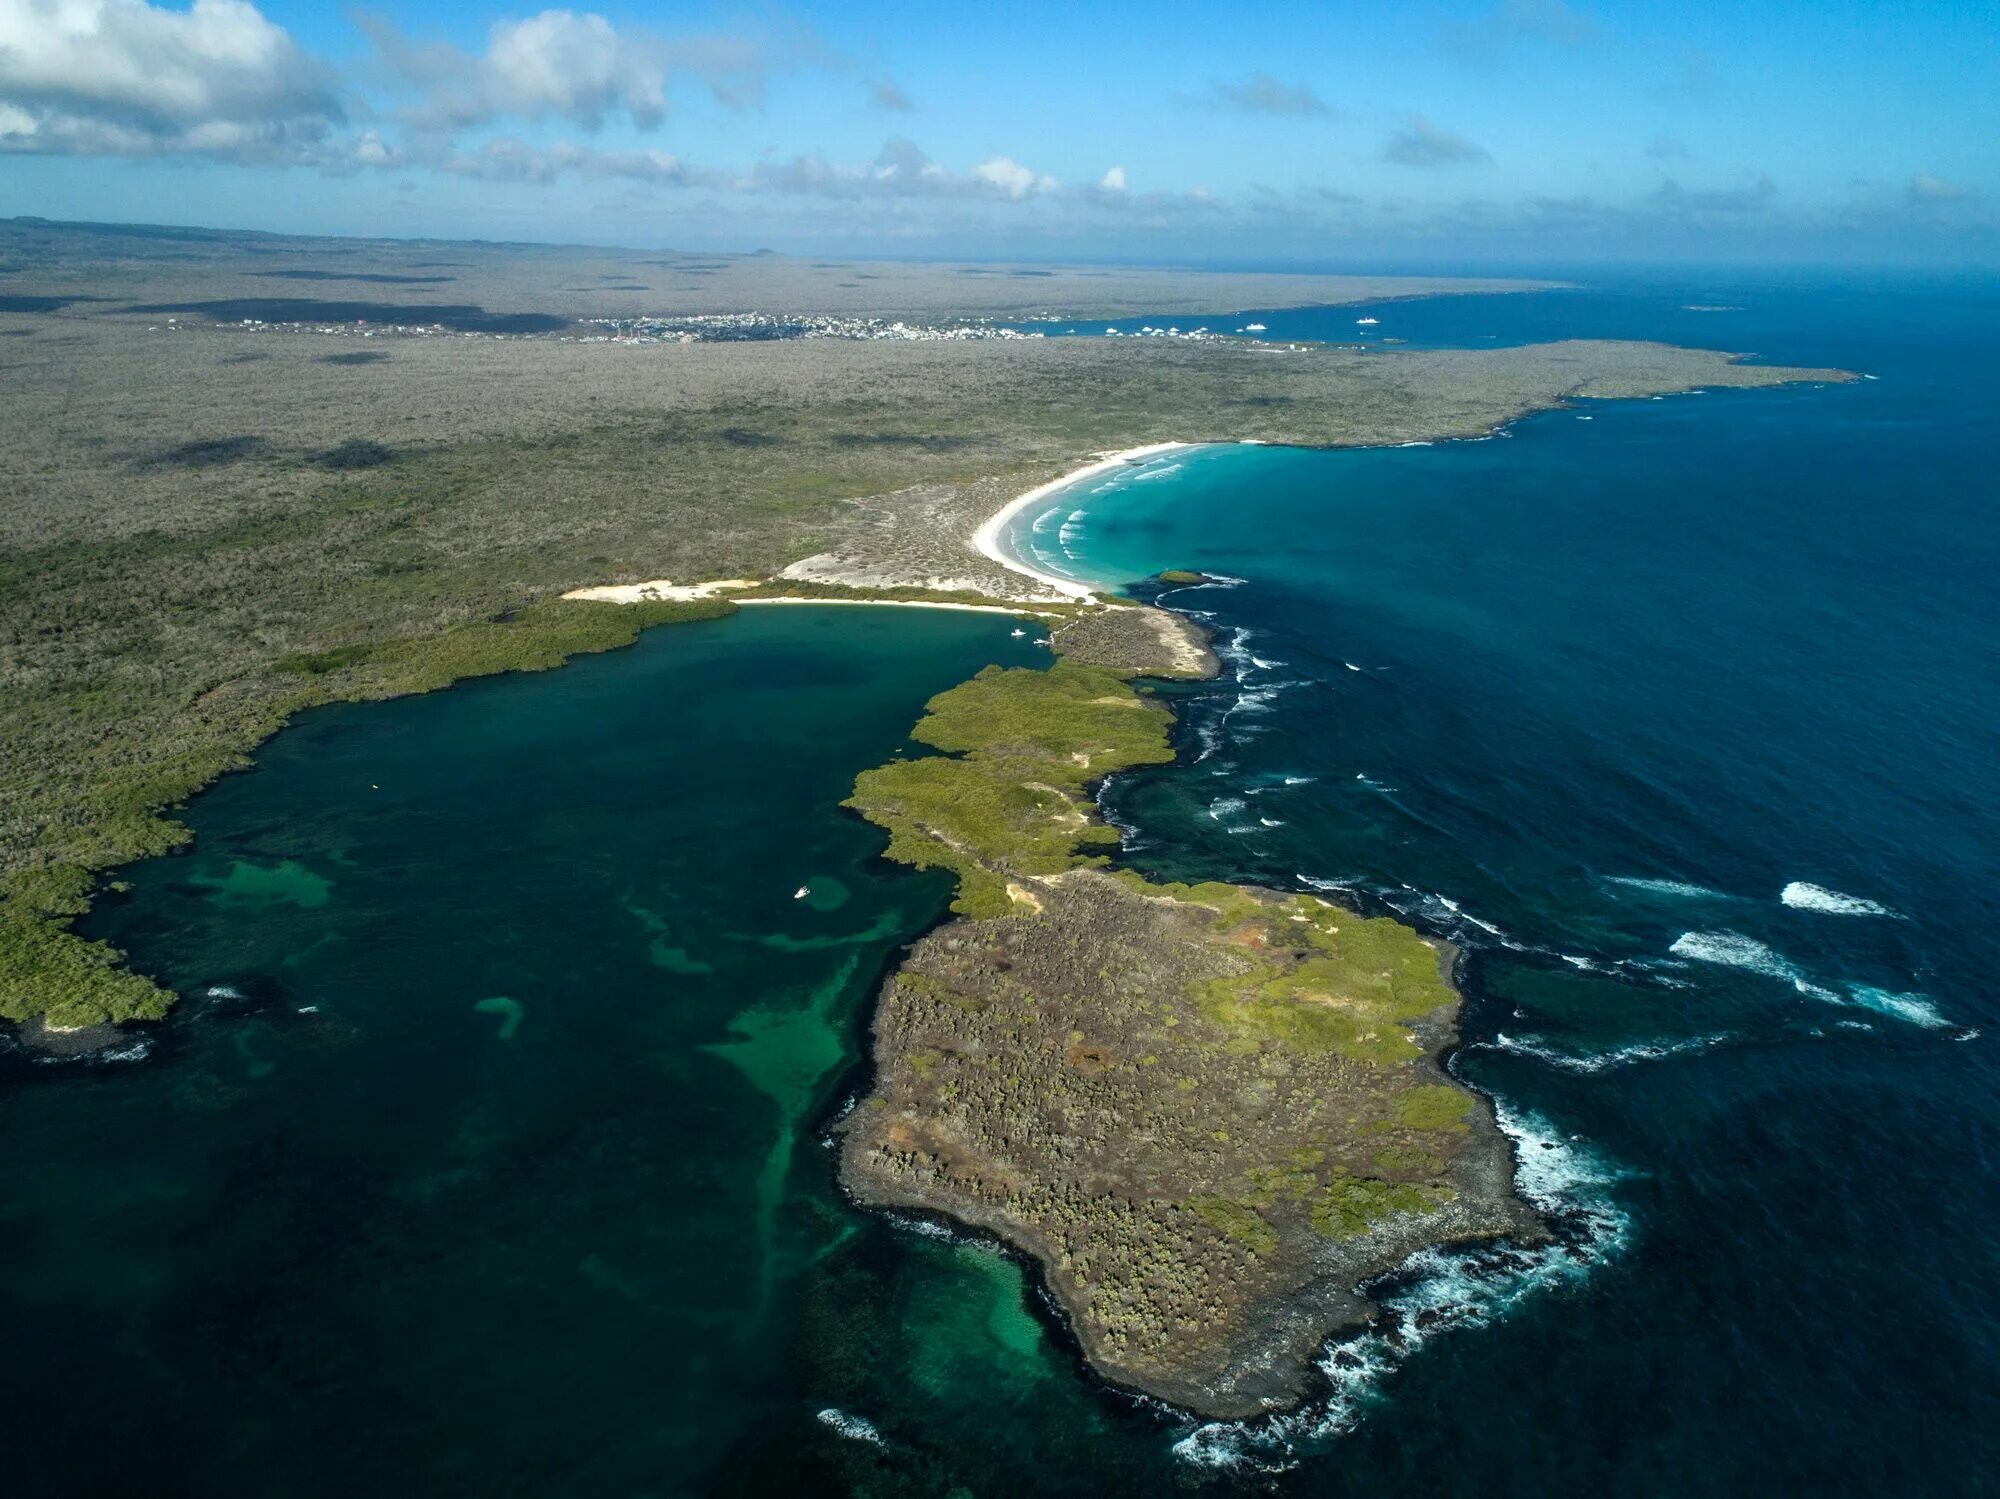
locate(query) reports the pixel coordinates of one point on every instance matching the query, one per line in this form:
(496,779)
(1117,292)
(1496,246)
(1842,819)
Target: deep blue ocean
(1681,717)
(487,1152)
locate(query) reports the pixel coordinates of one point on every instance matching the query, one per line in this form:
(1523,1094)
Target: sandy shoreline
(986,540)
(1013,609)
(661,588)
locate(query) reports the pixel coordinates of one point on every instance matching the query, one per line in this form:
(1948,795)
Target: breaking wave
(1604,1061)
(1316,882)
(1803,897)
(1437,1290)
(1734,950)
(1915,1008)
(1663,887)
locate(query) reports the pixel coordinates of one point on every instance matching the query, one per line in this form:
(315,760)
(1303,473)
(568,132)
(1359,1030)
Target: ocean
(487,1154)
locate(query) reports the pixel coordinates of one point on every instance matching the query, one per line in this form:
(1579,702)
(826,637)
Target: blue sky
(1487,133)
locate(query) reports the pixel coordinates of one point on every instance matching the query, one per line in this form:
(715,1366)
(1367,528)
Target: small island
(1208,1113)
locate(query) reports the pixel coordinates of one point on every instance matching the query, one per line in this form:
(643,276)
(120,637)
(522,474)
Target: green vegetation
(1351,1205)
(179,575)
(1179,576)
(94,820)
(1362,980)
(1238,1221)
(1006,796)
(49,971)
(1435,1108)
(1189,1101)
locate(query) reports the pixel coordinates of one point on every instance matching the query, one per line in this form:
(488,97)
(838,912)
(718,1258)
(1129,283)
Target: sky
(1486,134)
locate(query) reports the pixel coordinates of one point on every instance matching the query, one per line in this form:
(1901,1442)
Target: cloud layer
(125,77)
(564,96)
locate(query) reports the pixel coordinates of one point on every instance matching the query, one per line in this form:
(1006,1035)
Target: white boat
(1019,633)
(1366,322)
(800,893)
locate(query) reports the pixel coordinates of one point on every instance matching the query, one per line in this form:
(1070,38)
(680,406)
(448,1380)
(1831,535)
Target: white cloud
(1010,178)
(556,63)
(1113,181)
(899,170)
(579,67)
(506,159)
(94,76)
(562,63)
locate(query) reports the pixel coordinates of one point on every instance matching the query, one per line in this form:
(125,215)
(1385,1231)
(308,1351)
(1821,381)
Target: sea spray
(1734,950)
(1436,1290)
(1917,1009)
(1683,888)
(1590,1063)
(1804,897)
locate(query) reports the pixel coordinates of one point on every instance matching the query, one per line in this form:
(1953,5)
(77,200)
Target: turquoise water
(487,1153)
(1680,716)
(484,1154)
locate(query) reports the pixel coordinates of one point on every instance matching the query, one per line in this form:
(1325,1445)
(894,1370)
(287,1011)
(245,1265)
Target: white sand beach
(987,539)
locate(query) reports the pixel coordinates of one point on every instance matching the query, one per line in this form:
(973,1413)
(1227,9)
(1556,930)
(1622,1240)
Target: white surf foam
(925,1228)
(1605,1061)
(1663,887)
(1915,1008)
(1588,965)
(1258,699)
(1733,950)
(1804,897)
(1464,915)
(1439,1290)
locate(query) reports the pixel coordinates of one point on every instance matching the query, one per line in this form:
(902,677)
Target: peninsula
(346,516)
(1209,1113)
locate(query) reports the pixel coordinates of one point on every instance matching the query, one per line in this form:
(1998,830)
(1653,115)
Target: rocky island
(1209,1113)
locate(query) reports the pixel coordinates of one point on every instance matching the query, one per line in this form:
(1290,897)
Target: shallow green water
(486,1153)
